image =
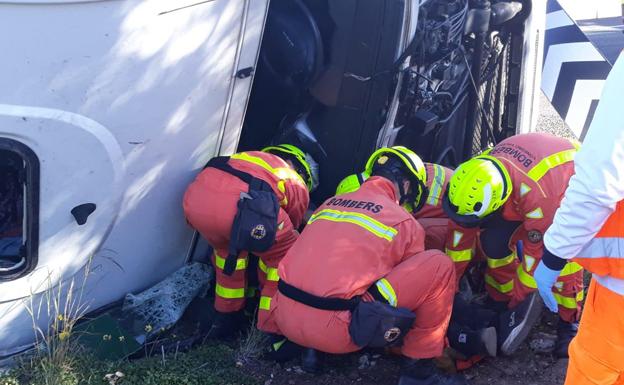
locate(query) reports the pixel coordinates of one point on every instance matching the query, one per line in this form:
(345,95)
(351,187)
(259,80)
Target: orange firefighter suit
(210,206)
(355,243)
(540,166)
(441,232)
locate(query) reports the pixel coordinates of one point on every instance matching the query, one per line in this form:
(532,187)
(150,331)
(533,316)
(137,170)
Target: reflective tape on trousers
(265,303)
(569,302)
(496,263)
(271,272)
(460,255)
(500,287)
(228,293)
(241,263)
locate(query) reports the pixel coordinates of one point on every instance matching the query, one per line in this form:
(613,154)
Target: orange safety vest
(604,255)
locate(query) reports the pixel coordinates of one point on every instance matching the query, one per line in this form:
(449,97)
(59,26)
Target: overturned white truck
(108,109)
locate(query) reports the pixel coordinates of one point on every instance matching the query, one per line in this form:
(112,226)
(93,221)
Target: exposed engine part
(456,59)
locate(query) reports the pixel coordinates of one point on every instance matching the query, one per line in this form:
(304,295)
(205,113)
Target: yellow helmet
(351,183)
(304,163)
(478,187)
(411,165)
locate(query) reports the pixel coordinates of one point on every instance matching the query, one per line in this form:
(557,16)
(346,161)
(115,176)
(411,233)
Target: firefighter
(589,226)
(439,231)
(511,193)
(360,257)
(212,205)
(469,331)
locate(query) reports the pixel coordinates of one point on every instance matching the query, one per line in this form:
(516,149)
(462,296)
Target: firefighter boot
(515,324)
(565,332)
(281,349)
(227,325)
(311,360)
(471,342)
(424,372)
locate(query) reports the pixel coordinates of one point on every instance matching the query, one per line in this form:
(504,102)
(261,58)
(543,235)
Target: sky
(585,9)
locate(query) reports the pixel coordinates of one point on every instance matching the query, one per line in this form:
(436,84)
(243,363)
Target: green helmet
(408,164)
(304,163)
(478,187)
(351,183)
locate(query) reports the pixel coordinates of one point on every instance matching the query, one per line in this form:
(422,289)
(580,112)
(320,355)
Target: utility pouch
(376,324)
(255,224)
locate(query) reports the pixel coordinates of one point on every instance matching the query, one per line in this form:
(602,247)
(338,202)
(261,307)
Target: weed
(252,345)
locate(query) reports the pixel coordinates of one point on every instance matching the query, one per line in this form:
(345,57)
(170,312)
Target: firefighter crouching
(258,198)
(359,275)
(511,194)
(467,333)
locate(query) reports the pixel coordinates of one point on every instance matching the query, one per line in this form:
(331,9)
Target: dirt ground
(531,365)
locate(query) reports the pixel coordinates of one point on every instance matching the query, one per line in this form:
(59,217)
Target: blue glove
(545,278)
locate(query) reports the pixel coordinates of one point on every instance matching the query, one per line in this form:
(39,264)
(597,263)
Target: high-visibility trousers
(597,351)
(212,212)
(423,283)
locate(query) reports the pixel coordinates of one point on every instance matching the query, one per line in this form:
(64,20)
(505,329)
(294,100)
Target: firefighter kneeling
(359,275)
(249,206)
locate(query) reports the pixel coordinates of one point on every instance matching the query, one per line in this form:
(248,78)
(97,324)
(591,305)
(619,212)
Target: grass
(251,346)
(60,359)
(206,365)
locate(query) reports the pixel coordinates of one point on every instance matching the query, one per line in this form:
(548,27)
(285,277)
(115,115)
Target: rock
(543,363)
(353,375)
(268,382)
(291,382)
(543,343)
(363,362)
(298,370)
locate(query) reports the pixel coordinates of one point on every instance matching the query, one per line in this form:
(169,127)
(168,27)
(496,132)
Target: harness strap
(322,303)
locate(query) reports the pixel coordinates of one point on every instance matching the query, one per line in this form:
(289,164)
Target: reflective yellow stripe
(265,303)
(536,214)
(364,221)
(278,344)
(386,290)
(224,292)
(460,255)
(271,272)
(436,186)
(570,268)
(501,287)
(241,263)
(496,263)
(526,278)
(280,172)
(569,302)
(552,161)
(282,187)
